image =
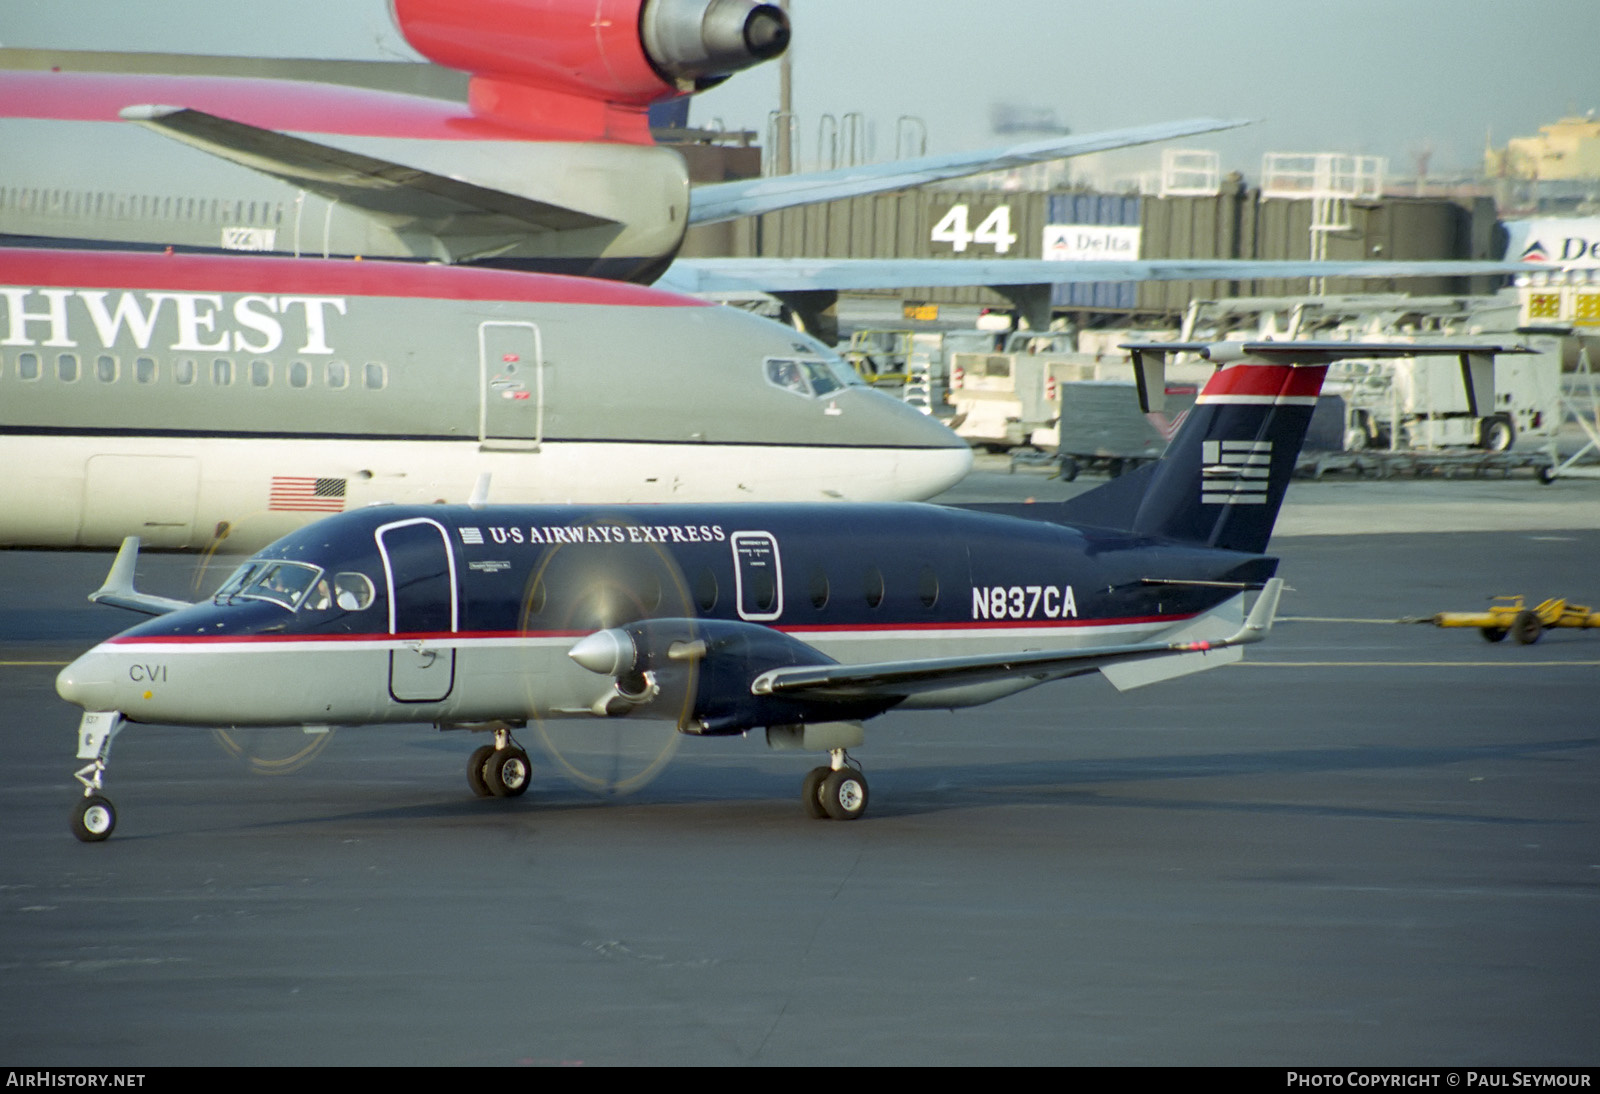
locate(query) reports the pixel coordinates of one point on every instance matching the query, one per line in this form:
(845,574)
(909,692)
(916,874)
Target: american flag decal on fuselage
(1235,472)
(303,494)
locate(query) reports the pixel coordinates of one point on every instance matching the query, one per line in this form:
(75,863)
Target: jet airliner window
(338,374)
(27,366)
(183,370)
(144,370)
(260,373)
(810,376)
(299,374)
(105,368)
(67,367)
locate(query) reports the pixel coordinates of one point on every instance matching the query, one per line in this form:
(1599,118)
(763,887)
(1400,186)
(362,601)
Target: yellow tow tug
(1509,615)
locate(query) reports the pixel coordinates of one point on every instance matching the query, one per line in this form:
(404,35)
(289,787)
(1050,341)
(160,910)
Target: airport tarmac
(1369,843)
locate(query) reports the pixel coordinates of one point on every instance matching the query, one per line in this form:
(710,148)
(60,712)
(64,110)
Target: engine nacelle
(718,659)
(625,52)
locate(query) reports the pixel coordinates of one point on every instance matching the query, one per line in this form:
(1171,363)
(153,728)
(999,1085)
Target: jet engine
(624,52)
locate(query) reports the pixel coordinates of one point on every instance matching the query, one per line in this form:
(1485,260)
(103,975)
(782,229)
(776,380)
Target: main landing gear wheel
(844,794)
(477,764)
(508,772)
(93,819)
(811,792)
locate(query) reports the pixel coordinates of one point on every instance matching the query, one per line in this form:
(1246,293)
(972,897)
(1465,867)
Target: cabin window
(338,374)
(144,370)
(705,589)
(67,367)
(352,591)
(818,589)
(27,366)
(373,376)
(928,587)
(105,369)
(183,370)
(260,373)
(222,371)
(299,374)
(873,586)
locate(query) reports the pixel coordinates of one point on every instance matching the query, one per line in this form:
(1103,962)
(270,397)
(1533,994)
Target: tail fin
(1223,477)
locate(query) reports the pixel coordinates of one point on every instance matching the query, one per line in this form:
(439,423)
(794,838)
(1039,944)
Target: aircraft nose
(87,682)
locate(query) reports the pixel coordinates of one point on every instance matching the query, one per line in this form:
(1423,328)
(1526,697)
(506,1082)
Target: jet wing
(441,206)
(750,197)
(780,275)
(893,679)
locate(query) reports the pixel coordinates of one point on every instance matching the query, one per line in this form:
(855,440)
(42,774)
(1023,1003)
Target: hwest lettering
(192,322)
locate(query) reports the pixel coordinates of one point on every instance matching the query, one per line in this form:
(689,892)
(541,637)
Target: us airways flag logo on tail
(1235,472)
(303,494)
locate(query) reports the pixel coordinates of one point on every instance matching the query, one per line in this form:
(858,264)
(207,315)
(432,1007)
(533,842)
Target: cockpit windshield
(811,376)
(282,583)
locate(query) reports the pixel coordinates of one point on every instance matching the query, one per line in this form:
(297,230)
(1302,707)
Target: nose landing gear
(94,818)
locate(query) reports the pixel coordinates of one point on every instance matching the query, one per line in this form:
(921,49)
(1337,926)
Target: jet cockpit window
(810,376)
(285,583)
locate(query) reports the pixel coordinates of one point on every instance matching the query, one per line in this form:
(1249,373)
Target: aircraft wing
(780,275)
(893,679)
(441,206)
(750,197)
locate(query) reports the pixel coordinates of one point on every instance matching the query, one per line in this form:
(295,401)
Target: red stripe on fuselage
(294,106)
(970,625)
(49,268)
(1281,381)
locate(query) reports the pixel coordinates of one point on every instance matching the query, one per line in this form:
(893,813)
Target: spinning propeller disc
(578,589)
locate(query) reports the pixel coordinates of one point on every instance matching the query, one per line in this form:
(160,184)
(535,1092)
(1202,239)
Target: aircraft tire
(476,764)
(844,794)
(94,819)
(1492,634)
(1526,628)
(1069,469)
(508,773)
(811,792)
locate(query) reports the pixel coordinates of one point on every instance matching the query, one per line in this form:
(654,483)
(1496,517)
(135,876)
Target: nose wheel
(834,793)
(93,819)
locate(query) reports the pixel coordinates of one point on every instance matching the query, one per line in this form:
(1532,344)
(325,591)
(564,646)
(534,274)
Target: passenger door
(422,584)
(511,386)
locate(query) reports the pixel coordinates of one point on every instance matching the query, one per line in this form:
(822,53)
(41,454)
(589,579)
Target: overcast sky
(1381,77)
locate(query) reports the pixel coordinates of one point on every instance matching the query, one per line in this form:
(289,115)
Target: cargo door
(511,386)
(420,572)
(156,495)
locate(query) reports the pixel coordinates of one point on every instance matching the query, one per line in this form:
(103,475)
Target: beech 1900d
(804,621)
(187,398)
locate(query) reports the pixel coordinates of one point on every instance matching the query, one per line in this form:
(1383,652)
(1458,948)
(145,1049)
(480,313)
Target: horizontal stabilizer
(751,197)
(405,196)
(118,590)
(854,683)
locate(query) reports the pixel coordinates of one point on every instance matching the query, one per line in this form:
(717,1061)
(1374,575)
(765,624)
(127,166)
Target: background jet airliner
(548,164)
(802,620)
(188,398)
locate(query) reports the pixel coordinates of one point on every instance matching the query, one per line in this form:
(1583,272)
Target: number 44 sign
(995,230)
